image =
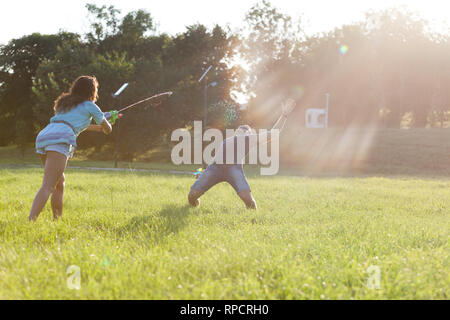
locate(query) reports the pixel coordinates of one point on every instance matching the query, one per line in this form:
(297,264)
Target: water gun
(198,173)
(113,116)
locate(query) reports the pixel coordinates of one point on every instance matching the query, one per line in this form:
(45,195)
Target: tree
(128,52)
(19,61)
(270,46)
(104,22)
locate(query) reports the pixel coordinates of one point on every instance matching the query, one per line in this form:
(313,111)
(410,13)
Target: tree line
(389,70)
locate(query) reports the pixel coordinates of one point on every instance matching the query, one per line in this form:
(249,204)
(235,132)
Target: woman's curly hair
(83,88)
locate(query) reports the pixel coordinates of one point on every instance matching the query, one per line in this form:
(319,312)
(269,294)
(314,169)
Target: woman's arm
(105,127)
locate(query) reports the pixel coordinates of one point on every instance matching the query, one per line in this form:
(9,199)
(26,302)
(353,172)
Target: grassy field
(133,237)
(363,199)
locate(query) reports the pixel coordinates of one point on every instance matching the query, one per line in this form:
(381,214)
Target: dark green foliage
(19,62)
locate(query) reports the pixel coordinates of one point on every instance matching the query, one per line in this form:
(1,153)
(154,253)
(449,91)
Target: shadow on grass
(157,227)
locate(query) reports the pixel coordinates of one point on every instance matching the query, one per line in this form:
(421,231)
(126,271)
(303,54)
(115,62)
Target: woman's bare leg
(43,158)
(55,164)
(57,195)
(57,198)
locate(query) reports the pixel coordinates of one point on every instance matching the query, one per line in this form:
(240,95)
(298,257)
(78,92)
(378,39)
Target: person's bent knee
(193,197)
(248,199)
(251,204)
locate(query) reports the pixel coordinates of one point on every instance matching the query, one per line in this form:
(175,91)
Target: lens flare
(343,49)
(106,262)
(299,91)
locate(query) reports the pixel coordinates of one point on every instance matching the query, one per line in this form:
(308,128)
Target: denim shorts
(216,173)
(63,148)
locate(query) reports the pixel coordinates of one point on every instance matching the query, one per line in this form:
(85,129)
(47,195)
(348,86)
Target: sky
(22,17)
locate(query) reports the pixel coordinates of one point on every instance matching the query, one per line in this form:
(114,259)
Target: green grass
(134,237)
(365,198)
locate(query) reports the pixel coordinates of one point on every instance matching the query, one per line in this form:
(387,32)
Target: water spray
(113,116)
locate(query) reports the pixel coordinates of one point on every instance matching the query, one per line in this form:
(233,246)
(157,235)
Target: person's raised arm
(286,108)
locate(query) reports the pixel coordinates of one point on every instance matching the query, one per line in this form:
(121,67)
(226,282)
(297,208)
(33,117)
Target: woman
(56,143)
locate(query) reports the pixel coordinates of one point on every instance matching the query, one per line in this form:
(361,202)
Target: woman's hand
(288,106)
(106,127)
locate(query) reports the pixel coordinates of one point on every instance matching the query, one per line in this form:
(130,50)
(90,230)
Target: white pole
(204,75)
(326,107)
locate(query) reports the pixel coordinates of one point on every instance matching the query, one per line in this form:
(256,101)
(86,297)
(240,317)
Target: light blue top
(81,116)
